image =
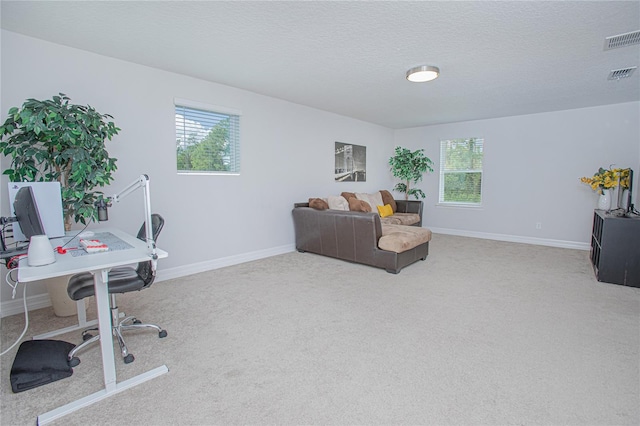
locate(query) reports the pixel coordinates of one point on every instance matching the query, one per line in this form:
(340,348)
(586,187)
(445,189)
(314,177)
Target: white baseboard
(16,306)
(42,300)
(195,268)
(514,238)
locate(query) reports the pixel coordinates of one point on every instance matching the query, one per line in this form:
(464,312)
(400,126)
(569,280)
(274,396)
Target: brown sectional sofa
(362,237)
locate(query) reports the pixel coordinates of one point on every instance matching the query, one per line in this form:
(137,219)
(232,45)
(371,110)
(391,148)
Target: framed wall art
(351,162)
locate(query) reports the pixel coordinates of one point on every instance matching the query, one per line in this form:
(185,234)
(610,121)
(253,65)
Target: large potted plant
(409,166)
(55,140)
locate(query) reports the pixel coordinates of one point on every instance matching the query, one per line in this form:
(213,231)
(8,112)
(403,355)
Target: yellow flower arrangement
(607,179)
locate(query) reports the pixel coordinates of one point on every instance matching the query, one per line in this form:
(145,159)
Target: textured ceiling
(496,58)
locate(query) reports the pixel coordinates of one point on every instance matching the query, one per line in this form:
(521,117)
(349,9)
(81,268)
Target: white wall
(532,163)
(532,166)
(287,153)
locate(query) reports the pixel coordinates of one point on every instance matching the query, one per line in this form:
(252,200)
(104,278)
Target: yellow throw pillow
(385,210)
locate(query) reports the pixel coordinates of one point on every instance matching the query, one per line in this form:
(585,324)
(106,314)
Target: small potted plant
(409,166)
(54,140)
(605,180)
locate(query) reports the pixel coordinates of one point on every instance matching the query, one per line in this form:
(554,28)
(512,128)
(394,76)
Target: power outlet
(538,225)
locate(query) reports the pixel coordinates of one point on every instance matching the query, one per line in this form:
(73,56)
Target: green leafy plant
(54,140)
(409,166)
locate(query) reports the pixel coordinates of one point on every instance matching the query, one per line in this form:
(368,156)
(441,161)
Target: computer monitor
(629,207)
(48,196)
(26,211)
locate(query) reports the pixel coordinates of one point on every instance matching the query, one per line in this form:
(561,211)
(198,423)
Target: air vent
(622,40)
(621,73)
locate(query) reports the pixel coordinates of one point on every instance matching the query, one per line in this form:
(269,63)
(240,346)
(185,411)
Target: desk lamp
(141,182)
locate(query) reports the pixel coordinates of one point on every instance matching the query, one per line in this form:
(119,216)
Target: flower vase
(604,200)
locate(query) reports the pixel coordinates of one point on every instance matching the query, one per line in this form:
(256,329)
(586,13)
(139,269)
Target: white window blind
(461,171)
(207,140)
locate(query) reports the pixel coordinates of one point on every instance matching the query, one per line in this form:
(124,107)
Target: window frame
(443,172)
(217,110)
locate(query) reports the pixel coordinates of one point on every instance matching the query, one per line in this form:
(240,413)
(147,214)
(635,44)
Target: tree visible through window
(461,171)
(207,141)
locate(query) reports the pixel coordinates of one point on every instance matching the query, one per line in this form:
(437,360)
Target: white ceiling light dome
(423,73)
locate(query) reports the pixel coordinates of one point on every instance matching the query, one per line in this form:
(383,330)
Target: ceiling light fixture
(423,73)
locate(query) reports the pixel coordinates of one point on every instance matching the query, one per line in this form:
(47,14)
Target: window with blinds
(461,171)
(207,139)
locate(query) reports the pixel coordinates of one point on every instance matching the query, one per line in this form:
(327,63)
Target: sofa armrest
(343,234)
(410,206)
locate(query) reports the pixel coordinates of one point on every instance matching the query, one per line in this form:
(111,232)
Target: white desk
(99,265)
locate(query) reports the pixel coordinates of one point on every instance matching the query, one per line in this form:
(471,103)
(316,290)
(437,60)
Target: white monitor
(48,197)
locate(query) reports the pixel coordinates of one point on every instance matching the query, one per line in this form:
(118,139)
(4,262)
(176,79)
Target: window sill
(208,174)
(460,206)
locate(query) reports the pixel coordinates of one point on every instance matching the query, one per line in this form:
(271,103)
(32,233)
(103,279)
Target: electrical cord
(12,264)
(26,312)
(8,233)
(3,246)
(8,278)
(75,236)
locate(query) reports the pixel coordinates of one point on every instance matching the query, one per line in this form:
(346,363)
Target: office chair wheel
(73,361)
(86,336)
(162,334)
(128,359)
(137,321)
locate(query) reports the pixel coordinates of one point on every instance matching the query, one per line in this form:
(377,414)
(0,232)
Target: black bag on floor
(39,362)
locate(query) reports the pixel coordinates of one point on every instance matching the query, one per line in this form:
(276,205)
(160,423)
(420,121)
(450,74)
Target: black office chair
(121,280)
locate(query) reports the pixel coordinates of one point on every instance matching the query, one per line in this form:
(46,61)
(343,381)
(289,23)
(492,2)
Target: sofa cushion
(385,211)
(387,198)
(348,195)
(337,202)
(318,204)
(390,220)
(400,238)
(374,200)
(356,205)
(401,219)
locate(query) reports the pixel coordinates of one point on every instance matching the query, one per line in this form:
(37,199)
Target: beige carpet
(482,332)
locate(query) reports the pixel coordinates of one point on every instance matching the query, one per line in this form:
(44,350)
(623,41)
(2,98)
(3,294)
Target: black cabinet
(615,249)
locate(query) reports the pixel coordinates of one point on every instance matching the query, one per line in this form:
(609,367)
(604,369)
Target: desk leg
(100,283)
(82,312)
(52,415)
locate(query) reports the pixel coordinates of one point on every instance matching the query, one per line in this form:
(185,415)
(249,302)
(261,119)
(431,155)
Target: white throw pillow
(374,200)
(337,203)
